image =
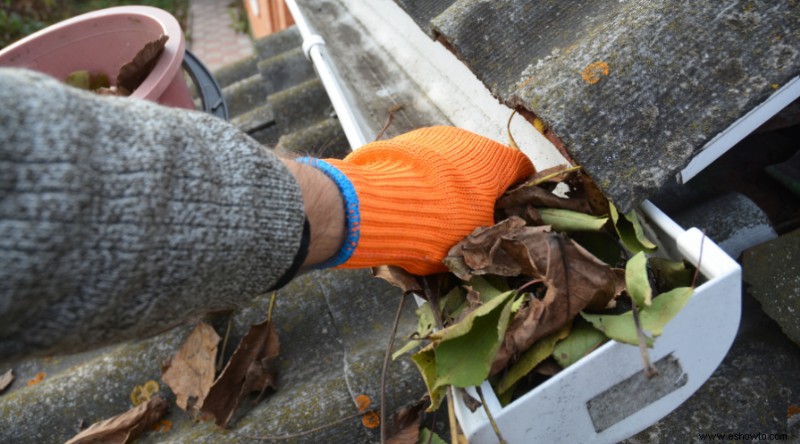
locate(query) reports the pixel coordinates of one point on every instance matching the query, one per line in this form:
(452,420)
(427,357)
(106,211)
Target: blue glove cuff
(351,210)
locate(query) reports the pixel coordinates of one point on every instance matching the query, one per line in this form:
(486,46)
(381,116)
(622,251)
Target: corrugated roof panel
(633,89)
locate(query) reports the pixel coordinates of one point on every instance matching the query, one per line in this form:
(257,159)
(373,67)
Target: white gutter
(353,123)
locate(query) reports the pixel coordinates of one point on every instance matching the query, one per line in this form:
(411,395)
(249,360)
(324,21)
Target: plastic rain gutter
(314,48)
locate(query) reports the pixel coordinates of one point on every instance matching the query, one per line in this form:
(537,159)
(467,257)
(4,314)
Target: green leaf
(484,288)
(630,231)
(505,397)
(567,220)
(602,245)
(462,354)
(636,280)
(581,341)
(638,230)
(671,274)
(425,360)
(464,351)
(653,318)
(426,438)
(532,357)
(452,300)
(425,324)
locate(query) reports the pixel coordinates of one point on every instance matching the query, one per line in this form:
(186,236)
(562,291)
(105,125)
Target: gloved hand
(409,199)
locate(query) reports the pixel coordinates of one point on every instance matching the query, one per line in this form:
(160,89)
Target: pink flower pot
(103,41)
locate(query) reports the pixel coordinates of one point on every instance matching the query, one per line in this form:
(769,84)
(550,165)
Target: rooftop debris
(558,275)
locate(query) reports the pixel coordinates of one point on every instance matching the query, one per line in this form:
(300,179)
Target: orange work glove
(418,194)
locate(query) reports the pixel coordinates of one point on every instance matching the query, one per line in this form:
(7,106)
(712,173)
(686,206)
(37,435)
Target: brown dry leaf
(591,193)
(126,427)
(403,426)
(133,73)
(539,197)
(191,372)
(548,367)
(480,252)
(556,174)
(247,371)
(112,91)
(526,212)
(574,279)
(6,380)
(397,277)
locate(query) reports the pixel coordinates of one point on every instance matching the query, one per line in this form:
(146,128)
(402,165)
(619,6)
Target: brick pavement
(213,39)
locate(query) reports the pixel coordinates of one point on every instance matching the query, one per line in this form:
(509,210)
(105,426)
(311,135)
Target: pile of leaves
(130,76)
(559,274)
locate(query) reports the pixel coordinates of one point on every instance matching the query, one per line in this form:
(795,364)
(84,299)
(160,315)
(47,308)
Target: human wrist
(324,210)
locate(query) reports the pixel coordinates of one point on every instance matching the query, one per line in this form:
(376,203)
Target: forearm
(121,219)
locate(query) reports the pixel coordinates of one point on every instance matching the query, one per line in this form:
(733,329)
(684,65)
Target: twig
(433,426)
(489,415)
(271,304)
(699,260)
(303,433)
(451,414)
(386,357)
(511,142)
(649,370)
(393,109)
(221,356)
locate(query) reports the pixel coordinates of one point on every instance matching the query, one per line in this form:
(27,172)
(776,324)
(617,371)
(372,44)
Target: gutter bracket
(310,42)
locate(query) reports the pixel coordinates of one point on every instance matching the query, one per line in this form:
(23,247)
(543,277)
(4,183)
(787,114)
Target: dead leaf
(548,367)
(247,371)
(397,277)
(123,428)
(112,91)
(479,253)
(6,380)
(556,174)
(191,372)
(471,403)
(527,212)
(539,197)
(133,73)
(590,192)
(575,279)
(403,426)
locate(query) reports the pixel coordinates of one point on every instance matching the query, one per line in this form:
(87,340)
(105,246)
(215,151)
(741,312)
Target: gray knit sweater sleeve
(120,218)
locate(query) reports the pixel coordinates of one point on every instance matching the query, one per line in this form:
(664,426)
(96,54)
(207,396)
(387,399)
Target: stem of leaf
(304,432)
(489,415)
(451,414)
(511,142)
(699,260)
(393,109)
(649,370)
(221,356)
